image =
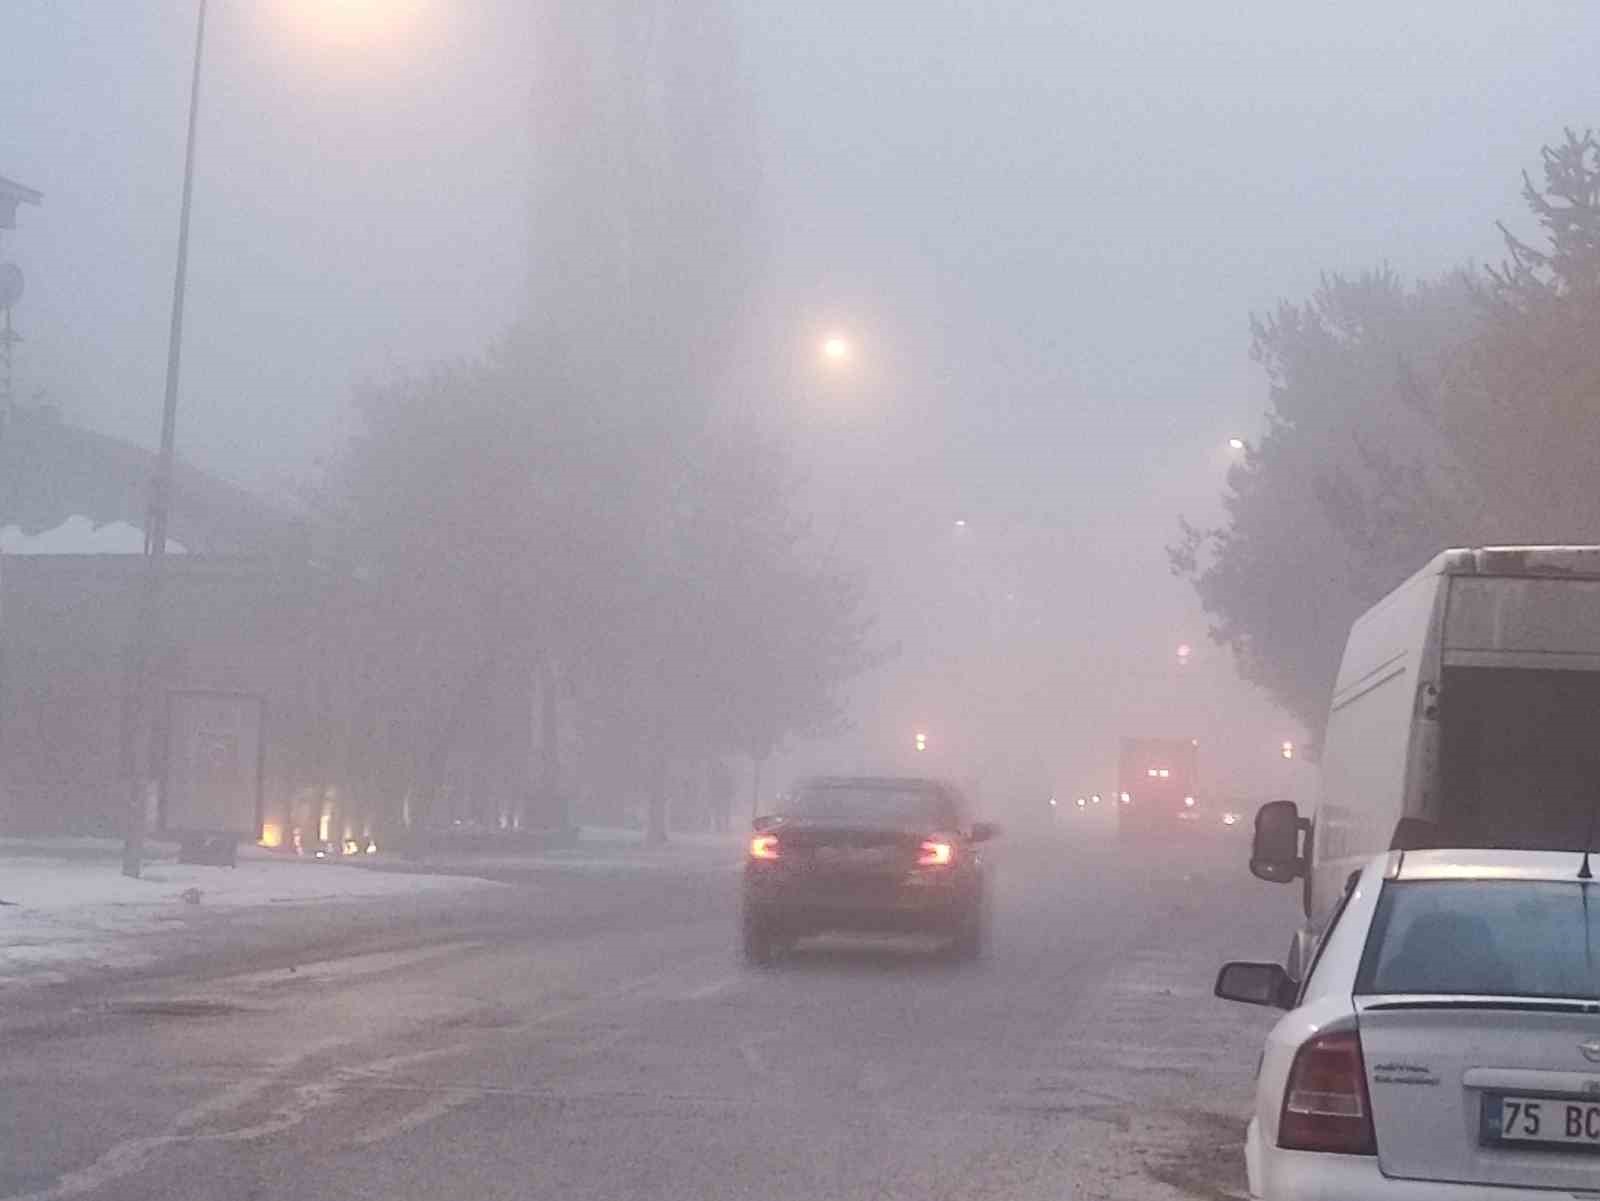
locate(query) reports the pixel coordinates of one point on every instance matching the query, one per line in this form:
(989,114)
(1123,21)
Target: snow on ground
(79,536)
(67,904)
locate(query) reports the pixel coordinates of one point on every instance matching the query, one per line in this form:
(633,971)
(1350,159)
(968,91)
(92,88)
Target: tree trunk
(553,798)
(438,759)
(655,834)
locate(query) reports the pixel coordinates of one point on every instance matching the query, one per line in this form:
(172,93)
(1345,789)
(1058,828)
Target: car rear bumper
(1278,1175)
(805,906)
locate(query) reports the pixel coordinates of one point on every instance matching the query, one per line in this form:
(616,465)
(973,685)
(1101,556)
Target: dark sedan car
(870,855)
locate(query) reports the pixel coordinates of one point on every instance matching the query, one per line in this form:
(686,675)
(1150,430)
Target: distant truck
(1158,787)
(1466,714)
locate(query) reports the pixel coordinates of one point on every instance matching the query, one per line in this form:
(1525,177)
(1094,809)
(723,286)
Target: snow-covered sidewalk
(66,905)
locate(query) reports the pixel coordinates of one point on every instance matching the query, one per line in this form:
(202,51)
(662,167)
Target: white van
(1466,714)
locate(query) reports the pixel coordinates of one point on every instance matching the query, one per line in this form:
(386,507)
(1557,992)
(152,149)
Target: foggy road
(1082,1058)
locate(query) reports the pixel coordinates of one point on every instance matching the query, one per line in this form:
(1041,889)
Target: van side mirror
(1257,984)
(1275,851)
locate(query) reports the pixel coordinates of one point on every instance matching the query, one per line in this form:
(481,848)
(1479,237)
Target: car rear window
(1499,938)
(885,803)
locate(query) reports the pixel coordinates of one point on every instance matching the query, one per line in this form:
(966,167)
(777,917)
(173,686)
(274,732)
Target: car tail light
(764,846)
(1325,1106)
(934,853)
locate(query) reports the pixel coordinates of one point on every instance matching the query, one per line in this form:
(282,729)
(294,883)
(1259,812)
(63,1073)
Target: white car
(1445,1045)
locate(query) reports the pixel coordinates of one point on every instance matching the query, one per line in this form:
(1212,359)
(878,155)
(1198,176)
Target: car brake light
(1325,1106)
(764,846)
(935,854)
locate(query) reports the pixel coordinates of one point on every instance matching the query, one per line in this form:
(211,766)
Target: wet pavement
(591,1034)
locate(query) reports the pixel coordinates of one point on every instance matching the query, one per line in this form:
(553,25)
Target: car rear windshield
(1497,938)
(886,804)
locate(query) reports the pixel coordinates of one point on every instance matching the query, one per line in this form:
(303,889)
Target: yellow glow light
(355,30)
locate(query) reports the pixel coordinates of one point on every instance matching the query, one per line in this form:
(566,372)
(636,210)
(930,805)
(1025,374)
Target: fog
(1043,229)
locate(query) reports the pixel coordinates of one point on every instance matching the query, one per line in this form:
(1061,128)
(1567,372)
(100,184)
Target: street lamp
(921,741)
(1287,749)
(1235,443)
(1184,651)
(155,543)
(836,349)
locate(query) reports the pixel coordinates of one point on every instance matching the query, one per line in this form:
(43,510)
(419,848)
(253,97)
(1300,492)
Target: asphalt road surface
(590,1034)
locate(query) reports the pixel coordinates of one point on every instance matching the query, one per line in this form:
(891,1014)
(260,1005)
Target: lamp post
(147,619)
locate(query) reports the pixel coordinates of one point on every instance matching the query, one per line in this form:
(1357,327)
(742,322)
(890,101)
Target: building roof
(11,195)
(51,471)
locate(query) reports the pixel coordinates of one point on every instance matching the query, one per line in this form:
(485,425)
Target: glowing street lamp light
(1184,653)
(836,349)
(921,741)
(1235,443)
(1287,749)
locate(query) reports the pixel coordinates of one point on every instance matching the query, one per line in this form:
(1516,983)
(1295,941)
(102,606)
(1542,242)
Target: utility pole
(147,619)
(11,195)
(10,289)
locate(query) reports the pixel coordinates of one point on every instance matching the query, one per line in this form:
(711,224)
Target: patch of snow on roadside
(64,911)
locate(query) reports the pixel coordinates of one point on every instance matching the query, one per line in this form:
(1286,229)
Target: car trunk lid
(849,848)
(1450,1081)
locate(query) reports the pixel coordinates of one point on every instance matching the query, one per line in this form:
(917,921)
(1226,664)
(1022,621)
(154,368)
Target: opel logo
(1591,1050)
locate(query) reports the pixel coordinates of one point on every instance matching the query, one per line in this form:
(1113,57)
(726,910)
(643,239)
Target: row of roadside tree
(1407,416)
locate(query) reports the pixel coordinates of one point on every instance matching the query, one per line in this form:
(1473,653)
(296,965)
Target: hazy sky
(1045,224)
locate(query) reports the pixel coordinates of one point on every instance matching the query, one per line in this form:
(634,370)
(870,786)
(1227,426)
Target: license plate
(854,857)
(1542,1121)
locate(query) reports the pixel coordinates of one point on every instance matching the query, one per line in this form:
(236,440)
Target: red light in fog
(764,846)
(935,854)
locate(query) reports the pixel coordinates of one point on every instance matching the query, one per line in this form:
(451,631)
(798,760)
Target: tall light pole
(147,620)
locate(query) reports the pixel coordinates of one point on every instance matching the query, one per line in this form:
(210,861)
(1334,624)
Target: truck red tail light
(1325,1105)
(764,846)
(935,853)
